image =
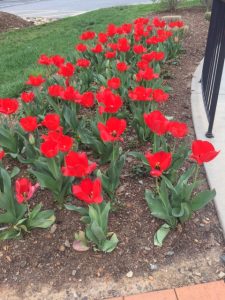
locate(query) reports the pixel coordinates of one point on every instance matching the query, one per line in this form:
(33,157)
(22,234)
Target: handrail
(213,62)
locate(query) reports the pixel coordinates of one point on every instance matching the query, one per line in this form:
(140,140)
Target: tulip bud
(31,139)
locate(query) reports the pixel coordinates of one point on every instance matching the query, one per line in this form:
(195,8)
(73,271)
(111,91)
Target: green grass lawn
(20,49)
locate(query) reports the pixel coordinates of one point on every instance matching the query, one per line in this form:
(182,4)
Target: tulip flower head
(159,162)
(88,191)
(112,130)
(203,151)
(25,189)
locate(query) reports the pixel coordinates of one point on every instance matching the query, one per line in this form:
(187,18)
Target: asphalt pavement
(59,8)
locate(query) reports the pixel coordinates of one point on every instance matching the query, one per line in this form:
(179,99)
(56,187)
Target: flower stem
(113,153)
(157,184)
(155,143)
(28,209)
(196,173)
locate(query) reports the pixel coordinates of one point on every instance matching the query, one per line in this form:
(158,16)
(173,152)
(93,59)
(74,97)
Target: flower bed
(108,151)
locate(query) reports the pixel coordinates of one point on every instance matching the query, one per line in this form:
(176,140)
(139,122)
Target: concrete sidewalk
(215,170)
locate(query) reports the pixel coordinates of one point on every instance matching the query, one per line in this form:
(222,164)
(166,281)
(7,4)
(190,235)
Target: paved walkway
(59,8)
(207,291)
(215,170)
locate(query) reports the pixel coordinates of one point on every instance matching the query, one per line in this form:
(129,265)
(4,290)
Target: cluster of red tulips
(111,82)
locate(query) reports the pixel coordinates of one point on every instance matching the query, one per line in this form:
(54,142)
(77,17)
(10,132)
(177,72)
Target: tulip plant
(8,138)
(111,133)
(95,216)
(47,168)
(177,202)
(112,81)
(16,213)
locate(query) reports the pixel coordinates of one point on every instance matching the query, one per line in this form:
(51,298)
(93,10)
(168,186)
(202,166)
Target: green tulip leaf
(15,172)
(11,210)
(42,219)
(81,210)
(203,198)
(161,234)
(178,211)
(10,234)
(110,245)
(98,232)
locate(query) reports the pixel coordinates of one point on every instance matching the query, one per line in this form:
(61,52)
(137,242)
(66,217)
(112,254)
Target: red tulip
(81,47)
(153,55)
(141,93)
(160,96)
(44,60)
(97,49)
(158,23)
(63,143)
(88,191)
(112,130)
(111,30)
(55,90)
(8,106)
(27,97)
(51,121)
(141,20)
(146,74)
(159,162)
(178,129)
(154,40)
(87,35)
(102,37)
(114,83)
(87,99)
(143,64)
(163,35)
(119,30)
(110,54)
(76,164)
(122,66)
(113,46)
(29,123)
(157,122)
(49,149)
(126,28)
(159,55)
(83,63)
(139,49)
(139,31)
(177,23)
(35,80)
(25,189)
(123,45)
(2,154)
(109,102)
(58,60)
(66,70)
(203,151)
(70,94)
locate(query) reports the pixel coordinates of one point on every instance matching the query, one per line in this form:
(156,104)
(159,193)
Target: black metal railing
(213,61)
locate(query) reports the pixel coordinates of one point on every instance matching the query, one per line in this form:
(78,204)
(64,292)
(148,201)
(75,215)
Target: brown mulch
(42,257)
(10,21)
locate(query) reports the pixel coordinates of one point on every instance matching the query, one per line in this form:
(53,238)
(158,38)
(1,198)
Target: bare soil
(10,21)
(43,265)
